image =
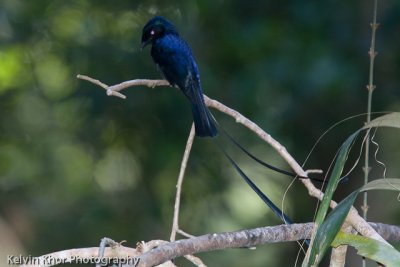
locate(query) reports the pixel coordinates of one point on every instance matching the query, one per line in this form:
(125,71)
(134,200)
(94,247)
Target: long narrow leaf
(328,230)
(370,248)
(332,184)
(383,184)
(389,120)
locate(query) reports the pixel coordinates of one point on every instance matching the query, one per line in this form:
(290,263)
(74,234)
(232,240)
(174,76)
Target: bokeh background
(76,165)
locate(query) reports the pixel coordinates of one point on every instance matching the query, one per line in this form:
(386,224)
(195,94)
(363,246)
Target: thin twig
(353,217)
(114,89)
(195,260)
(183,233)
(175,222)
(314,171)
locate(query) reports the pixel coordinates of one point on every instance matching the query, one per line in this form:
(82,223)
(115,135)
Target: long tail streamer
(263,163)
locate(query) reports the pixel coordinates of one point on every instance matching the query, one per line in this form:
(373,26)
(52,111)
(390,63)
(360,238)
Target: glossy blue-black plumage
(178,66)
(175,60)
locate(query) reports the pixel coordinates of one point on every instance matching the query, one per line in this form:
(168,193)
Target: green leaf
(389,120)
(320,244)
(328,230)
(334,178)
(382,184)
(370,248)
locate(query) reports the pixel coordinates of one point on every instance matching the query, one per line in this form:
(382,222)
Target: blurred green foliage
(76,165)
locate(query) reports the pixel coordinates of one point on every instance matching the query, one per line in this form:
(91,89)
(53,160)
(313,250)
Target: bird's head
(156,28)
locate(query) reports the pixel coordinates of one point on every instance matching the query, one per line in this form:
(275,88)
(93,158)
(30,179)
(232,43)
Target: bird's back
(178,66)
(175,60)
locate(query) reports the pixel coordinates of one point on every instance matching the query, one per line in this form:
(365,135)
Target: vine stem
(370,87)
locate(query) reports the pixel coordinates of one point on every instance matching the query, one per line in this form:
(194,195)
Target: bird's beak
(144,44)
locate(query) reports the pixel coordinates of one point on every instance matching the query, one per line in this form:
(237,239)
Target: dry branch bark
(238,239)
(353,218)
(158,251)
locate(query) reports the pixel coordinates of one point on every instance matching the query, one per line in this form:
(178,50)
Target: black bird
(175,60)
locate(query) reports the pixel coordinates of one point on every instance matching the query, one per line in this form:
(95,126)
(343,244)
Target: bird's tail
(204,122)
(281,215)
(255,188)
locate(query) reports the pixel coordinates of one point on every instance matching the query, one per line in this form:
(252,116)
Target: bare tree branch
(388,232)
(353,217)
(158,251)
(212,242)
(74,255)
(175,222)
(114,89)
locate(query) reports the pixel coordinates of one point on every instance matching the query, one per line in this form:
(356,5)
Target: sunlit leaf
(389,120)
(382,184)
(370,248)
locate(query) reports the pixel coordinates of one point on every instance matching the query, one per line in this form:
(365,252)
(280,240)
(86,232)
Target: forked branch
(158,251)
(353,218)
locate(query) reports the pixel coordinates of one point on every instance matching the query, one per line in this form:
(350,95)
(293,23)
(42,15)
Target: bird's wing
(173,58)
